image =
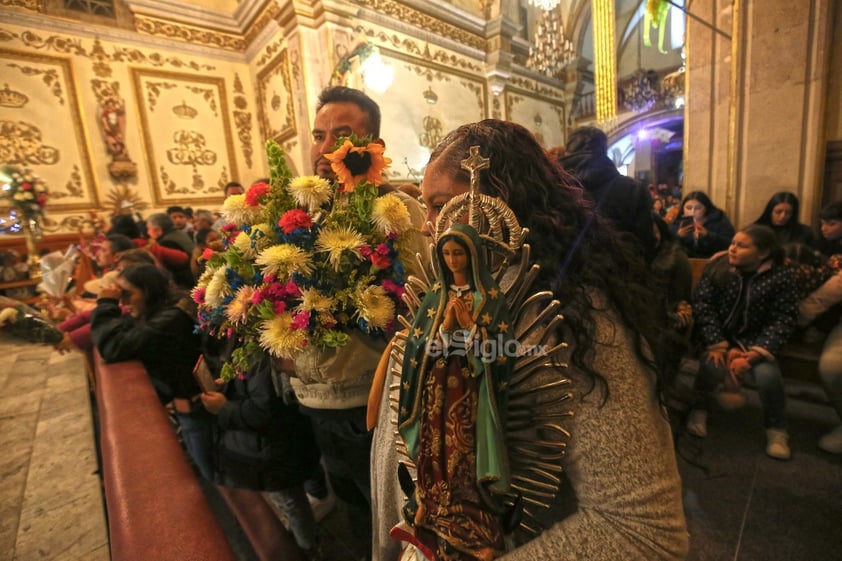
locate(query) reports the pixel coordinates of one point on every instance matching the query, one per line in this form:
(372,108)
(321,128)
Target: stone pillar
(754,121)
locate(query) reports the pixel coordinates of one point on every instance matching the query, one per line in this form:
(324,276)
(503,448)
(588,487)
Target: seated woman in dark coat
(703,229)
(781,215)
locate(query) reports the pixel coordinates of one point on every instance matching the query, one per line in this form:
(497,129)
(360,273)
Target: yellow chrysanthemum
(375,306)
(390,215)
(238,309)
(278,339)
(218,288)
(235,210)
(283,260)
(259,239)
(310,191)
(336,240)
(315,300)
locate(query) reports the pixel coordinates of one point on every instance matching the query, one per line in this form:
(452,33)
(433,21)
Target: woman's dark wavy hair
(778,198)
(154,284)
(576,250)
(702,198)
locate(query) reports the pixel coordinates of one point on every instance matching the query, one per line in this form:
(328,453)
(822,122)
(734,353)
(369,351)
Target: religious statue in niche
(112,121)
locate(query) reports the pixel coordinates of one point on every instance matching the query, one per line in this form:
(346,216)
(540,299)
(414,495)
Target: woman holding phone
(704,229)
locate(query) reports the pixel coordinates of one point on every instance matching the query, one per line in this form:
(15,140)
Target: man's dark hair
(232,184)
(126,225)
(119,243)
(173,209)
(339,94)
(587,139)
(833,211)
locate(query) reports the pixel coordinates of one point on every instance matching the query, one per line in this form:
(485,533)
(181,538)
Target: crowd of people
(614,256)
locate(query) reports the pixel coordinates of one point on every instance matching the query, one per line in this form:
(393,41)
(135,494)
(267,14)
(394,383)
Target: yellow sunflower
(355,164)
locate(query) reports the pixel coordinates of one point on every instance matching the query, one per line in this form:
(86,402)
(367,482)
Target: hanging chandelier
(639,94)
(552,51)
(545,4)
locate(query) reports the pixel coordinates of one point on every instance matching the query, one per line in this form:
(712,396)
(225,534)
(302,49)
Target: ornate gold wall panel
(411,16)
(186,134)
(274,87)
(188,34)
(41,126)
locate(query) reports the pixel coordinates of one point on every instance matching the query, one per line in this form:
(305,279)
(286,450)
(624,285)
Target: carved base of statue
(122,168)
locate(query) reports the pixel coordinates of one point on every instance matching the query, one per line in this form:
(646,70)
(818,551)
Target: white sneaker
(697,423)
(322,507)
(832,441)
(776,444)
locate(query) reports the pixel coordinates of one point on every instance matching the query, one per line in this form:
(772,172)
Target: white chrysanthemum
(237,310)
(310,191)
(390,215)
(205,278)
(375,306)
(278,339)
(283,260)
(8,315)
(336,240)
(312,299)
(218,288)
(235,210)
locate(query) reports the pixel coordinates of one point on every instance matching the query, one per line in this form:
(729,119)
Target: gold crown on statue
(184,111)
(12,98)
(490,216)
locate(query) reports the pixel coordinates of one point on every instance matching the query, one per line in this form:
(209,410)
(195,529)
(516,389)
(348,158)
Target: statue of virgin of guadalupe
(454,377)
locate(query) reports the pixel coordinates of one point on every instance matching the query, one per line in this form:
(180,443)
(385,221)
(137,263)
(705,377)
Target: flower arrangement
(26,192)
(306,260)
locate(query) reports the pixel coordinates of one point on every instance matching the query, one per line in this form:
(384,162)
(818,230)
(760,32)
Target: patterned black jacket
(764,321)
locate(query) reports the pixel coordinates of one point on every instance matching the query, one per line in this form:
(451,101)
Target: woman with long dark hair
(782,216)
(624,494)
(158,330)
(703,229)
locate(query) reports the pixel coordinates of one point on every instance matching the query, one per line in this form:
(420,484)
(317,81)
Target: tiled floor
(741,505)
(50,493)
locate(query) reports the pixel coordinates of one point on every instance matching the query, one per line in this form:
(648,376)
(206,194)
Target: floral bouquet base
(23,322)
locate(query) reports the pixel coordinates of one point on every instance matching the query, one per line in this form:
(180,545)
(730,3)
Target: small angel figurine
(459,357)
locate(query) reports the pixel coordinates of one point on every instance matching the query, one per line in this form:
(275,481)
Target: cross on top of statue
(473,164)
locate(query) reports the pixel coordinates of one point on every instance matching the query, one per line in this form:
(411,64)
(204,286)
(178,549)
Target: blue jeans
(295,506)
(197,435)
(830,368)
(770,385)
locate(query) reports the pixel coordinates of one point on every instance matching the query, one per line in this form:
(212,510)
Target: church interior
(134,106)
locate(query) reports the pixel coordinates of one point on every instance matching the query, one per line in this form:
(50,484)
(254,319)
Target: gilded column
(605,72)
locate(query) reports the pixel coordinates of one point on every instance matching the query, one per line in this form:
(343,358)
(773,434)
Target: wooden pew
(156,508)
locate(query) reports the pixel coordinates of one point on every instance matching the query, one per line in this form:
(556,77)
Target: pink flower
(294,219)
(279,307)
(255,192)
(383,249)
(366,251)
(207,253)
(301,320)
(199,295)
(393,288)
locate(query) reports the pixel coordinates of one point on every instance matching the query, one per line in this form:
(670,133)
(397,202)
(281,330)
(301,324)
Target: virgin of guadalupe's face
(455,257)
